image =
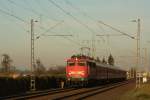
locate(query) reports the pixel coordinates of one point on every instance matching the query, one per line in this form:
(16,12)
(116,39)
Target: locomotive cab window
(81,64)
(71,63)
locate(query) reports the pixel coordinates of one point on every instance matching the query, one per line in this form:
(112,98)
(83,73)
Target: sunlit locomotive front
(77,71)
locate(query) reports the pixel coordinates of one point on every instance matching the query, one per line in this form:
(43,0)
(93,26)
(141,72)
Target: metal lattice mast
(93,46)
(32,81)
(138,81)
(145,51)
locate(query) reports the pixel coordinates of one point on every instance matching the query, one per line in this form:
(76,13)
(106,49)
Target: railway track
(67,93)
(29,95)
(88,92)
(82,93)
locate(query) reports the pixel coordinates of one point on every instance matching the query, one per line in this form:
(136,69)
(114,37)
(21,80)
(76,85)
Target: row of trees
(7,66)
(39,68)
(110,60)
(6,63)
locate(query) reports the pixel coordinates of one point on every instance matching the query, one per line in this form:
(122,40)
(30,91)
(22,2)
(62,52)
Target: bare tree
(6,61)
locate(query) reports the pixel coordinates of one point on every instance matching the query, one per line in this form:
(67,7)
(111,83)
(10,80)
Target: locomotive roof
(81,58)
(90,59)
(108,66)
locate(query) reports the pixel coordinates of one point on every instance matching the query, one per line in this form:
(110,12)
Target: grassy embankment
(142,93)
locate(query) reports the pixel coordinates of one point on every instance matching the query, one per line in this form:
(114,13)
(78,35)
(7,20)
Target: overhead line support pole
(32,80)
(138,79)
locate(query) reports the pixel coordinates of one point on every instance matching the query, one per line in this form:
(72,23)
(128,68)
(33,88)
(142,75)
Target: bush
(10,86)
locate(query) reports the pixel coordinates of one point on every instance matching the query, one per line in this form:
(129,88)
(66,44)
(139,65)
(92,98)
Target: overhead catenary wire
(64,36)
(50,28)
(88,16)
(79,10)
(8,14)
(33,11)
(22,7)
(73,17)
(3,5)
(42,8)
(115,29)
(26,22)
(12,15)
(85,14)
(30,10)
(78,21)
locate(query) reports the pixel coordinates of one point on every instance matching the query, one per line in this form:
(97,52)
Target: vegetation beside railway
(11,86)
(142,93)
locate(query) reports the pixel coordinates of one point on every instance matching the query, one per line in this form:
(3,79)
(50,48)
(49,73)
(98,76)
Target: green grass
(142,93)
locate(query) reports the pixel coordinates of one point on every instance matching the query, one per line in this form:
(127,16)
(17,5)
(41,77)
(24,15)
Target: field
(142,93)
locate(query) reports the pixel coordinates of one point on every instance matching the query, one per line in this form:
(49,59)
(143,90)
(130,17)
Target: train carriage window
(71,63)
(81,64)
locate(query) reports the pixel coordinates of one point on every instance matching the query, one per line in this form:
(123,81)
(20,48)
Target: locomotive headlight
(77,72)
(81,72)
(71,72)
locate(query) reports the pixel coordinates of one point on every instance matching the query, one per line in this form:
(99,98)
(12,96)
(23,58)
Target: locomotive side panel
(92,70)
(101,73)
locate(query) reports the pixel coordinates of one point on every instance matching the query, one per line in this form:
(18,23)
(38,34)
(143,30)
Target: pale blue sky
(15,40)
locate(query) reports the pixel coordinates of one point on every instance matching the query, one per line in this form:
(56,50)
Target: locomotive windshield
(71,63)
(81,64)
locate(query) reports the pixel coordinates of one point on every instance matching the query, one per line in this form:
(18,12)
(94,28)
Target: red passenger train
(83,70)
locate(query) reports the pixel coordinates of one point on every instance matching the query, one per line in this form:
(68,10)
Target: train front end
(77,71)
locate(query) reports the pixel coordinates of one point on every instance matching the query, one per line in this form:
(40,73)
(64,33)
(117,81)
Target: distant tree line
(110,60)
(6,63)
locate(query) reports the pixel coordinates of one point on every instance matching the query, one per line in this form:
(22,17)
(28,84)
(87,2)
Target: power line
(51,28)
(12,15)
(79,10)
(4,5)
(30,10)
(85,14)
(115,29)
(27,9)
(38,14)
(109,35)
(90,17)
(41,7)
(47,16)
(22,20)
(78,21)
(73,17)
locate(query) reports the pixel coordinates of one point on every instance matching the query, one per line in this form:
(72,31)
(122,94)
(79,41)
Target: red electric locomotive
(83,70)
